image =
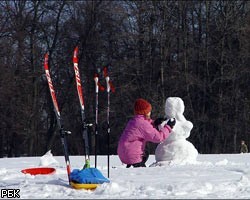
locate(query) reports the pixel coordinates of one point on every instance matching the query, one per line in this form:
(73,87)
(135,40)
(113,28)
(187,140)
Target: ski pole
(96,115)
(97,87)
(109,86)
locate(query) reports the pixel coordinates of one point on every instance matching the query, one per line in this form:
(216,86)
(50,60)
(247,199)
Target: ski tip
(46,59)
(75,56)
(76,49)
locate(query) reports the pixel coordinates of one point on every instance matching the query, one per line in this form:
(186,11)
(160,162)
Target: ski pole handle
(96,84)
(108,85)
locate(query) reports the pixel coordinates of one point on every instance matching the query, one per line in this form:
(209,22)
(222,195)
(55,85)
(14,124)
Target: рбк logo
(10,193)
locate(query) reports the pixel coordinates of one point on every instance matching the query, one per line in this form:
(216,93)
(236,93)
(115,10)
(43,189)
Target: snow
(211,176)
(48,159)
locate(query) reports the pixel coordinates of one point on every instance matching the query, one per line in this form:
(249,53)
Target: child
(243,147)
(139,130)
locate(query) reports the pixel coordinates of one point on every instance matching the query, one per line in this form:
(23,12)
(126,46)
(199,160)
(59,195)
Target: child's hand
(158,121)
(171,122)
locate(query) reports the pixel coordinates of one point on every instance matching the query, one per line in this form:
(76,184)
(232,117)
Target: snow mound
(48,159)
(3,171)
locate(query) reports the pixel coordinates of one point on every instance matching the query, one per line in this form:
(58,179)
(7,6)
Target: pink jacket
(138,131)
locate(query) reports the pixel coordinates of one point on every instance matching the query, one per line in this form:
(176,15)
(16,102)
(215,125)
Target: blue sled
(88,176)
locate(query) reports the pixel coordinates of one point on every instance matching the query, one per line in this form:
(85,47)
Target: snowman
(176,149)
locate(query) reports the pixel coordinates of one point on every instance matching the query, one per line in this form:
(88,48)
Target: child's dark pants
(142,163)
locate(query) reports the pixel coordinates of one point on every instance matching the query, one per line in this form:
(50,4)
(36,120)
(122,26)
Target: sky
(211,176)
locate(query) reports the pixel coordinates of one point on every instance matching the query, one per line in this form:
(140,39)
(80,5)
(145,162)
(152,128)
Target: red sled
(39,171)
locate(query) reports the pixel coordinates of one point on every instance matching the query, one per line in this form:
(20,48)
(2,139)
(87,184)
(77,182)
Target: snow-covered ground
(218,176)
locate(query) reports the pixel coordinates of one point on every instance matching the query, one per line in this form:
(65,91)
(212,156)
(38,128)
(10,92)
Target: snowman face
(174,106)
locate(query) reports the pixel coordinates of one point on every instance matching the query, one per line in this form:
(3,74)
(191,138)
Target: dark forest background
(196,50)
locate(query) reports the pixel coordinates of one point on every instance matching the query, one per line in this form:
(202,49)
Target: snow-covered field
(218,176)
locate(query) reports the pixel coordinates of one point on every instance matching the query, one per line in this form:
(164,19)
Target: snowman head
(174,108)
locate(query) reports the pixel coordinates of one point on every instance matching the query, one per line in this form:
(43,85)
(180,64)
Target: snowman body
(176,148)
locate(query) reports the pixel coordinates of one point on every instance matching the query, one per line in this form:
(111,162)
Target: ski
(108,88)
(63,133)
(81,100)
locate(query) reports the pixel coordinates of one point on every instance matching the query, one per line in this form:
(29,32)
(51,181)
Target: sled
(83,186)
(39,171)
(87,179)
